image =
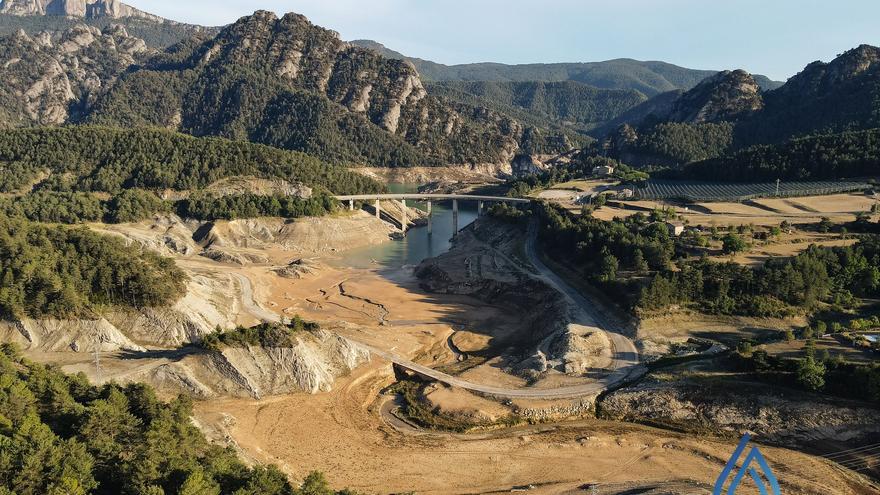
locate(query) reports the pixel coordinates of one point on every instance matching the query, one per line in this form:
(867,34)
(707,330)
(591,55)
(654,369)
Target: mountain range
(727,112)
(291,84)
(649,78)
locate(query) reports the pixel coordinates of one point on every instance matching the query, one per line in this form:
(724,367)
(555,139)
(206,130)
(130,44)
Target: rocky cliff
(291,84)
(311,365)
(780,416)
(726,96)
(50,78)
(87,9)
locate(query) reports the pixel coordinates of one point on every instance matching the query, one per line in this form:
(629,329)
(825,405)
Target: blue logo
(754,456)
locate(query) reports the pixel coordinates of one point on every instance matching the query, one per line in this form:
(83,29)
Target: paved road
(625,359)
(435,197)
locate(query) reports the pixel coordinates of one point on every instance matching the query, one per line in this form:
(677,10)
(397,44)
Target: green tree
(640,265)
(608,267)
(733,243)
(811,374)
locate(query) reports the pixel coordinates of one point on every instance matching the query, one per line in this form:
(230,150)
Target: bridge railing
(429,198)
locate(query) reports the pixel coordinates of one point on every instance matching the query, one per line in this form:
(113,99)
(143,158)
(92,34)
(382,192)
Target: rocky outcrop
(820,78)
(726,96)
(481,264)
(87,9)
(790,418)
(49,77)
(52,335)
(209,303)
(311,365)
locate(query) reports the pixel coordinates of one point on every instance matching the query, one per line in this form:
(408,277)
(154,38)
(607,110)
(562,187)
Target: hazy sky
(772,37)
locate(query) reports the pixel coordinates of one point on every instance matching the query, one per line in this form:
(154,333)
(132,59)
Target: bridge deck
(437,197)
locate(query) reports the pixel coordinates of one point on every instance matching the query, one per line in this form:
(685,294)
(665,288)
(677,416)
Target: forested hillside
(290,84)
(47,270)
(155,34)
(87,158)
(61,435)
(649,78)
(724,115)
(567,104)
(834,156)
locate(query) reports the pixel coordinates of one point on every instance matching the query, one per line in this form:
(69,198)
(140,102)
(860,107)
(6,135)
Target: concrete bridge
(429,199)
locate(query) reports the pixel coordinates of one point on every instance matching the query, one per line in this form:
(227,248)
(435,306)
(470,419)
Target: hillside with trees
(98,159)
(342,103)
(647,269)
(648,77)
(568,104)
(61,435)
(833,156)
(833,100)
(155,34)
(53,271)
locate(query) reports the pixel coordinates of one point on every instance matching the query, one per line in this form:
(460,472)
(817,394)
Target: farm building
(603,171)
(675,228)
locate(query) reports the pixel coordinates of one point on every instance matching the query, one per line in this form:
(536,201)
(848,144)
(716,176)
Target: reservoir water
(417,245)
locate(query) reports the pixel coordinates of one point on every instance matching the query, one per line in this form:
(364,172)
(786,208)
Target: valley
(259,258)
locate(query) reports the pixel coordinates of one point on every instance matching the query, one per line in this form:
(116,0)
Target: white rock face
(89,9)
(49,72)
(67,335)
(311,365)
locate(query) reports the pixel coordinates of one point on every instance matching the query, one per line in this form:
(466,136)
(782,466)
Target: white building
(603,170)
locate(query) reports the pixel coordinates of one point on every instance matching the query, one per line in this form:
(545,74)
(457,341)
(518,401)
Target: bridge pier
(430,219)
(454,218)
(479,208)
(351,205)
(403,216)
(378,210)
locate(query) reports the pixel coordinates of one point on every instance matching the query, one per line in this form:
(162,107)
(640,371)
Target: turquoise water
(417,245)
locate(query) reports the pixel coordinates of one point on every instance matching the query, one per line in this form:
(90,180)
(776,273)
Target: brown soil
(342,434)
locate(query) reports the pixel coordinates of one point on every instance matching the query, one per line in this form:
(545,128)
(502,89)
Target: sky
(776,38)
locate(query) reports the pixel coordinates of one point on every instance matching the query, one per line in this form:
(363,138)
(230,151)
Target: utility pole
(101,341)
(98,363)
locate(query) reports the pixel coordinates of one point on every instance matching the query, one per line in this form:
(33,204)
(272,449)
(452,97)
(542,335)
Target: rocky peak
(311,58)
(820,78)
(88,9)
(47,73)
(728,95)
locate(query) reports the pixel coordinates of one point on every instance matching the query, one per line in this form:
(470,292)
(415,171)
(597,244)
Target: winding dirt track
(625,364)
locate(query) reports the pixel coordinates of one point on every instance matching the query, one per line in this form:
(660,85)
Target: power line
(843,453)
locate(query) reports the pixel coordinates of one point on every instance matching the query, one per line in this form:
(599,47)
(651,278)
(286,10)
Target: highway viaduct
(429,199)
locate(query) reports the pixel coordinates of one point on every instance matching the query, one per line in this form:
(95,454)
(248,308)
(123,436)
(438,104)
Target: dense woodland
(832,156)
(637,259)
(86,158)
(568,104)
(53,271)
(59,435)
(675,143)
